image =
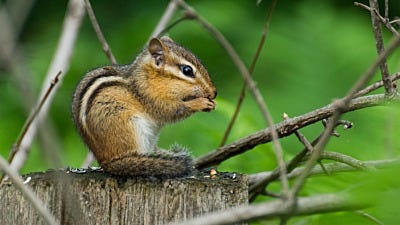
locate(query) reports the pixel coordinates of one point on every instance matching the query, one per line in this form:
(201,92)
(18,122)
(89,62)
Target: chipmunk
(119,110)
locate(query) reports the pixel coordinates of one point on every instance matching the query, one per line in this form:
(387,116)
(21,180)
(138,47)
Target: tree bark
(98,198)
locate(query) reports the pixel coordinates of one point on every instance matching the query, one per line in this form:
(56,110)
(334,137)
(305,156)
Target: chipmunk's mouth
(189,98)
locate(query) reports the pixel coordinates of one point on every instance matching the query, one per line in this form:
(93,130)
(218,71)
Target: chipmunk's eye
(187,70)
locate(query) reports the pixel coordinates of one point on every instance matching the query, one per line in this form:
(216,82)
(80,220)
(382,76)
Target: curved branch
(95,24)
(348,160)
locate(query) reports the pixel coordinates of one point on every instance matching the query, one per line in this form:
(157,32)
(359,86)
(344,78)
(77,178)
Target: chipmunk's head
(178,75)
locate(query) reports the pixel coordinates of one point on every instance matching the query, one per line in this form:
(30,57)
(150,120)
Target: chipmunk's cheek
(189,98)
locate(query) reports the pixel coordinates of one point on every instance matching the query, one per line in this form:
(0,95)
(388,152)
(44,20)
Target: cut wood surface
(97,198)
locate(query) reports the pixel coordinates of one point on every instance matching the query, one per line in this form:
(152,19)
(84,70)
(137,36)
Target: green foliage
(314,52)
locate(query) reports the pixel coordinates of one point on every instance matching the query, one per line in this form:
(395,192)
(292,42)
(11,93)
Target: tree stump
(98,198)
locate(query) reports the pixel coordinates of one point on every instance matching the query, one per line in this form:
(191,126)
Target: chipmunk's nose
(213,94)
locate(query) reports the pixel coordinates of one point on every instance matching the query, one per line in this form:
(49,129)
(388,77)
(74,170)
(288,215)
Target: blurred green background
(314,52)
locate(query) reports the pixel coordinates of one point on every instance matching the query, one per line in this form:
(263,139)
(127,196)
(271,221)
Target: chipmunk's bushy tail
(158,164)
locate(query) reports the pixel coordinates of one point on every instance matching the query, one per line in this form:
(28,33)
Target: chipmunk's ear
(157,50)
(166,38)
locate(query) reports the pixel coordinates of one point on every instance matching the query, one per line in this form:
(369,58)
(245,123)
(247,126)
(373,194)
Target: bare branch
(395,21)
(343,159)
(278,208)
(99,33)
(27,193)
(383,20)
(60,61)
(166,17)
(304,141)
(369,217)
(386,9)
(376,85)
(376,27)
(284,128)
(362,5)
(31,118)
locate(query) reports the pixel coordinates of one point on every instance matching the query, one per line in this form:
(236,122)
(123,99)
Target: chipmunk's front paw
(201,104)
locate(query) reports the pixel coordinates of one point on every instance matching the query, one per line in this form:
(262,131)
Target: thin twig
(27,193)
(176,22)
(376,85)
(376,27)
(28,123)
(387,23)
(250,83)
(310,148)
(301,137)
(386,9)
(16,147)
(99,33)
(348,160)
(251,70)
(304,141)
(362,5)
(165,18)
(369,217)
(395,21)
(346,125)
